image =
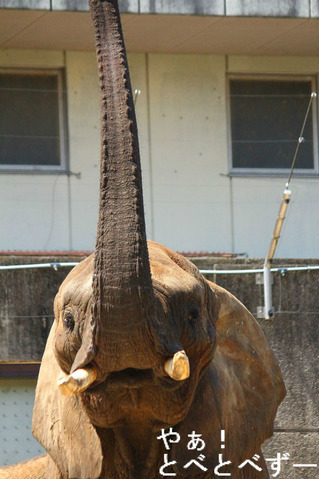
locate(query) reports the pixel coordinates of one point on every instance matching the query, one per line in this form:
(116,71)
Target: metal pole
(268,308)
(278,227)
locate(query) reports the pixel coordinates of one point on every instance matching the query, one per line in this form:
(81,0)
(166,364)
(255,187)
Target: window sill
(35,171)
(237,174)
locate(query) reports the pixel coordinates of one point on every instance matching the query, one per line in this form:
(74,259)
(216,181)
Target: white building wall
(256,200)
(84,147)
(189,149)
(84,141)
(191,204)
(32,207)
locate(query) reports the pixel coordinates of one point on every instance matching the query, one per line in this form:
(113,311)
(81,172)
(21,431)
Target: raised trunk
(122,292)
(121,256)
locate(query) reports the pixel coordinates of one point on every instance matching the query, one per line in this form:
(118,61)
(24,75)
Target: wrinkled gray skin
(125,311)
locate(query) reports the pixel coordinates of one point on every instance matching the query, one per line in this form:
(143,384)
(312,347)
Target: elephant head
(141,341)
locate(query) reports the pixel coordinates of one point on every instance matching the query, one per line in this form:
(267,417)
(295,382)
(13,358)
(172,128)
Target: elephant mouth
(91,378)
(130,378)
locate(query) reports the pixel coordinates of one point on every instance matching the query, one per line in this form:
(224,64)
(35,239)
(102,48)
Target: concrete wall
(280,8)
(26,319)
(191,205)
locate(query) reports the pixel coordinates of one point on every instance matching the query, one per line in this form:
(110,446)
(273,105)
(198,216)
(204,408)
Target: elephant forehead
(173,272)
(173,278)
(78,291)
(77,286)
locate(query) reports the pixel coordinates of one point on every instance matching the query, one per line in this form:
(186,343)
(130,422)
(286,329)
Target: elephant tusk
(177,367)
(78,381)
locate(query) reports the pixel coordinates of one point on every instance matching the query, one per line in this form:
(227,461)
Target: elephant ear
(61,424)
(239,393)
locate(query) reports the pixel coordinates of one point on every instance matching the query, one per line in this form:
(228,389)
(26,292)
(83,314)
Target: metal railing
(57,265)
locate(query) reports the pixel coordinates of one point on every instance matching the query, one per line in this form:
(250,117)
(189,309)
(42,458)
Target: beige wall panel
(139,79)
(84,140)
(256,207)
(257,200)
(33,207)
(84,145)
(189,152)
(34,214)
(255,204)
(37,210)
(299,238)
(183,128)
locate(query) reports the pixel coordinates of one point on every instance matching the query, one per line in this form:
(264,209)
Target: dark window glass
(29,119)
(266,120)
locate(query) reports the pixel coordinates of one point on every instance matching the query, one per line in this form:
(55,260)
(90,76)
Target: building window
(32,120)
(266,117)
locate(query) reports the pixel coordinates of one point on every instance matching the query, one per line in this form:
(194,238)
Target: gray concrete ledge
(231,8)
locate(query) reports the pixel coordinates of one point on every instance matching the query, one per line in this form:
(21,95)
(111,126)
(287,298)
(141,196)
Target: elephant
(150,370)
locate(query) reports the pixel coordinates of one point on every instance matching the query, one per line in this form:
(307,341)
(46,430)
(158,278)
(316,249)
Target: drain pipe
(268,310)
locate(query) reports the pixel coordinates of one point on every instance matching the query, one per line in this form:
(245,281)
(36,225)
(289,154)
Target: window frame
(63,124)
(278,172)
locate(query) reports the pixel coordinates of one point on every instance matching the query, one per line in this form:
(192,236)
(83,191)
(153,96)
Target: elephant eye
(193,314)
(69,321)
